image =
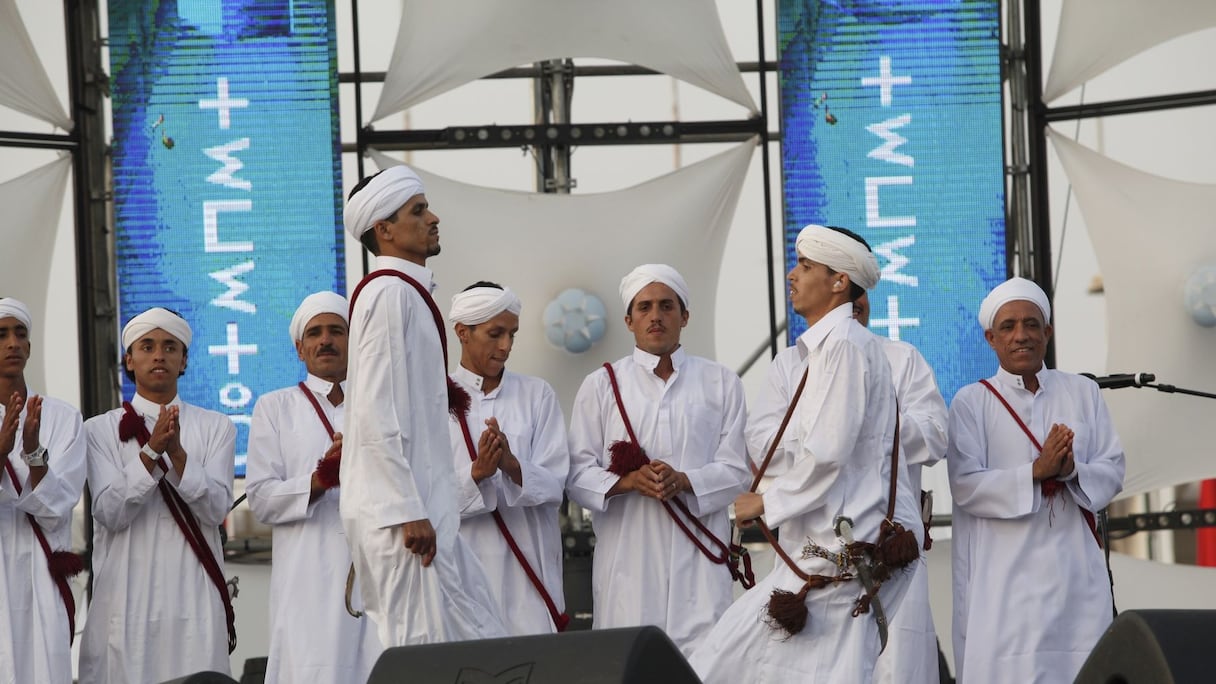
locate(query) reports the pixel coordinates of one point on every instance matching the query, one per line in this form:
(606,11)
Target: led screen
(227,187)
(891,126)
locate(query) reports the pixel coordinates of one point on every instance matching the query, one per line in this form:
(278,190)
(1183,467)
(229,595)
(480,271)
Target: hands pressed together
(657,480)
(1056,459)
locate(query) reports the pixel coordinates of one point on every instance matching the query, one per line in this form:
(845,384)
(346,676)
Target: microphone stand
(1171,389)
(1102,515)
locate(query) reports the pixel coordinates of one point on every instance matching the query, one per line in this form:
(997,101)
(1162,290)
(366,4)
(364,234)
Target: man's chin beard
(434,251)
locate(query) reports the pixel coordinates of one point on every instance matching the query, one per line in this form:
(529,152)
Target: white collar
(422,274)
(322,387)
(1014,380)
(817,333)
(650,362)
(474,381)
(147,407)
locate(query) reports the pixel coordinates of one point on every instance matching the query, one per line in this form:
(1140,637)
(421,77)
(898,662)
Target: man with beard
(419,581)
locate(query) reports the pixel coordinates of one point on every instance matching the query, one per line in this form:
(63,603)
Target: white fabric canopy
(1149,234)
(24,85)
(446,43)
(31,204)
(1095,35)
(539,245)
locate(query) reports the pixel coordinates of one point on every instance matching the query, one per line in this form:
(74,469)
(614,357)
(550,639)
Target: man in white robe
(42,444)
(1031,590)
(157,613)
(836,456)
(419,582)
(518,437)
(688,414)
(911,656)
(291,479)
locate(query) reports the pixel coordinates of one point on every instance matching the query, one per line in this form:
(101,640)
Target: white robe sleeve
(979,490)
(1099,472)
(275,495)
(923,414)
(475,498)
(545,470)
(716,484)
(206,483)
(765,418)
(589,480)
(52,501)
(120,487)
(383,404)
(829,423)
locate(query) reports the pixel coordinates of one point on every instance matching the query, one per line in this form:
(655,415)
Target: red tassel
(129,426)
(787,610)
(459,400)
(896,547)
(327,471)
(562,622)
(65,564)
(626,457)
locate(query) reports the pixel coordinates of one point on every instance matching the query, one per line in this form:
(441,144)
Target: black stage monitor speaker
(203,678)
(637,655)
(1154,647)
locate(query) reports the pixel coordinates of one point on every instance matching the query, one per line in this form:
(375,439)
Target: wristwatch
(36,458)
(148,451)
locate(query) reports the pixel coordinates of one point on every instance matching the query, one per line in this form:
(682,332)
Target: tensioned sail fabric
(1150,234)
(32,203)
(1095,35)
(446,43)
(24,85)
(541,244)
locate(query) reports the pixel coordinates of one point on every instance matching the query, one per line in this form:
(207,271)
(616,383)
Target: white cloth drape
(1095,35)
(1149,234)
(446,43)
(24,84)
(681,219)
(31,214)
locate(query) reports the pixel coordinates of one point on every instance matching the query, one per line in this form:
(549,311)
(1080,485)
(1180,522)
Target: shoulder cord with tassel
(786,609)
(458,399)
(132,426)
(629,456)
(61,564)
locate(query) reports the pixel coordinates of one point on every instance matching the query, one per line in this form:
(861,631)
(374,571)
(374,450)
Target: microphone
(1121,380)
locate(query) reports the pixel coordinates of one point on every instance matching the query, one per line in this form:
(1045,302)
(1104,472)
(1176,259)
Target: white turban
(384,194)
(1013,290)
(646,274)
(11,308)
(152,319)
(480,304)
(314,305)
(840,253)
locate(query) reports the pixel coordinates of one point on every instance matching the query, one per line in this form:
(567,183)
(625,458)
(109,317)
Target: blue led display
(227,182)
(891,127)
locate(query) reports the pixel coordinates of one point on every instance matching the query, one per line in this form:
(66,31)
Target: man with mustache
(160,471)
(1032,457)
(511,461)
(657,456)
(420,583)
(42,470)
(295,447)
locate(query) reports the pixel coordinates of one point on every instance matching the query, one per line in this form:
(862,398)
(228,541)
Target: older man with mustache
(658,454)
